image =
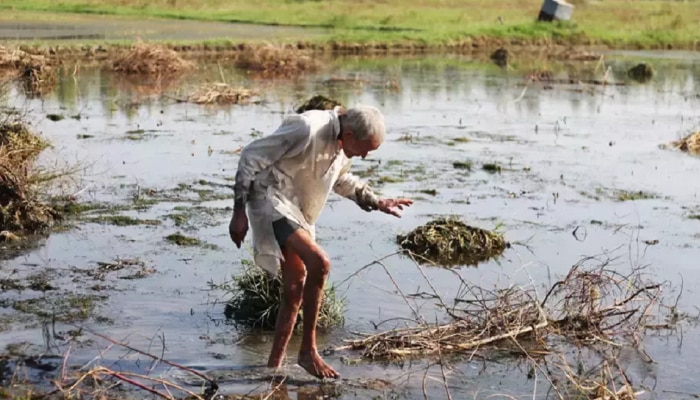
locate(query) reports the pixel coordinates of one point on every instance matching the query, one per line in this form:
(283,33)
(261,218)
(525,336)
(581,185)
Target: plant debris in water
(318,102)
(594,306)
(448,241)
(256,297)
(689,144)
(221,93)
(122,220)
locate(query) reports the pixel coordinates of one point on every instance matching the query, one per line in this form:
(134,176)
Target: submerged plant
(256,297)
(448,241)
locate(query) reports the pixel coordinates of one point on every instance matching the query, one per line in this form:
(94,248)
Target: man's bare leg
(317,269)
(293,276)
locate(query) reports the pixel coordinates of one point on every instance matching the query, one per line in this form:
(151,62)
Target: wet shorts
(283,229)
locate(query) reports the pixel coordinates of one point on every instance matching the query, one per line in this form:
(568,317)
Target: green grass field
(618,23)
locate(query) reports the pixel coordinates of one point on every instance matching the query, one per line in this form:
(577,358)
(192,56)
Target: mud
(568,154)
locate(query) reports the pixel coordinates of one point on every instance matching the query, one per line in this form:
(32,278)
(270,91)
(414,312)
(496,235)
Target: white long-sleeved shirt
(290,174)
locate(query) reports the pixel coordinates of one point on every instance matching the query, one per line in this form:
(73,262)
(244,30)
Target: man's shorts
(283,229)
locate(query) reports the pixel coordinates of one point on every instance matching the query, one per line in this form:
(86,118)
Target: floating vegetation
(256,297)
(641,72)
(150,59)
(276,61)
(462,165)
(492,168)
(55,117)
(182,240)
(122,220)
(624,195)
(63,307)
(431,192)
(448,241)
(222,94)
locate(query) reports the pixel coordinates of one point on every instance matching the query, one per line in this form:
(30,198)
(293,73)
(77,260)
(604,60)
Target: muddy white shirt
(290,174)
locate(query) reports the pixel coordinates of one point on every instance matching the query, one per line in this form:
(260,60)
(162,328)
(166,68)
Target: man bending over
(283,181)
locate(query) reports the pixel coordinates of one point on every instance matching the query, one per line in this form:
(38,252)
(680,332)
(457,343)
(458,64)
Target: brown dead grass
(150,59)
(21,211)
(689,144)
(276,61)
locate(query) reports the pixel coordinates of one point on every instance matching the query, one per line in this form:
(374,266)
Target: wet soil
(580,173)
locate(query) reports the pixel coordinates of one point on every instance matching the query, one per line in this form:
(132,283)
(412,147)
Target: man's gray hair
(365,122)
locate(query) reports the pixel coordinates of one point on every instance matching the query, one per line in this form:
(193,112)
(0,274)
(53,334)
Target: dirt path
(30,26)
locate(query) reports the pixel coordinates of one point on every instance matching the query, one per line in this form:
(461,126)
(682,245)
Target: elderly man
(283,180)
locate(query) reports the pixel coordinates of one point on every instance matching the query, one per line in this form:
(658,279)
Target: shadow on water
(564,151)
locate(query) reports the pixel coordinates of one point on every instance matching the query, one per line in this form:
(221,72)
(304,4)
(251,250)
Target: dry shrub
(21,210)
(273,61)
(221,93)
(151,59)
(448,241)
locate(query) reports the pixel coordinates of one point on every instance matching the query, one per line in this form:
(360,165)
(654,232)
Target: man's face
(359,148)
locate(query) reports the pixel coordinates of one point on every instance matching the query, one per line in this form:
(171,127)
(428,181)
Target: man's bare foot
(314,365)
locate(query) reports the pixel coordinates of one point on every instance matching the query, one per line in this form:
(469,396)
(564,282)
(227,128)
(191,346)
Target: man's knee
(321,264)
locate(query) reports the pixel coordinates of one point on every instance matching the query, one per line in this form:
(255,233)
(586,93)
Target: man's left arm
(351,187)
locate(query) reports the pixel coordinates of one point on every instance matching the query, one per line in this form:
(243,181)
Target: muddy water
(565,150)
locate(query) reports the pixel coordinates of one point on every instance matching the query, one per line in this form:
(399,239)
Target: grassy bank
(616,23)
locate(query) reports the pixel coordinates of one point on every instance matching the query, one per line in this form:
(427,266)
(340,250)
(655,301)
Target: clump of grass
(625,195)
(448,241)
(182,240)
(492,168)
(21,209)
(150,59)
(275,61)
(318,102)
(256,297)
(221,93)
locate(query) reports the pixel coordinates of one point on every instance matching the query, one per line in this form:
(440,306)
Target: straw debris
(151,59)
(318,102)
(256,298)
(448,241)
(593,307)
(275,61)
(222,93)
(689,144)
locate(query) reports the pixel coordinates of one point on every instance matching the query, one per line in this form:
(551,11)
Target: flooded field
(576,171)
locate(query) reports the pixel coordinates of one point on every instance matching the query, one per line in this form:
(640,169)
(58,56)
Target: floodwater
(565,151)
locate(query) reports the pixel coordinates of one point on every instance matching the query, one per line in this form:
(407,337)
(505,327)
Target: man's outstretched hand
(238,227)
(392,206)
